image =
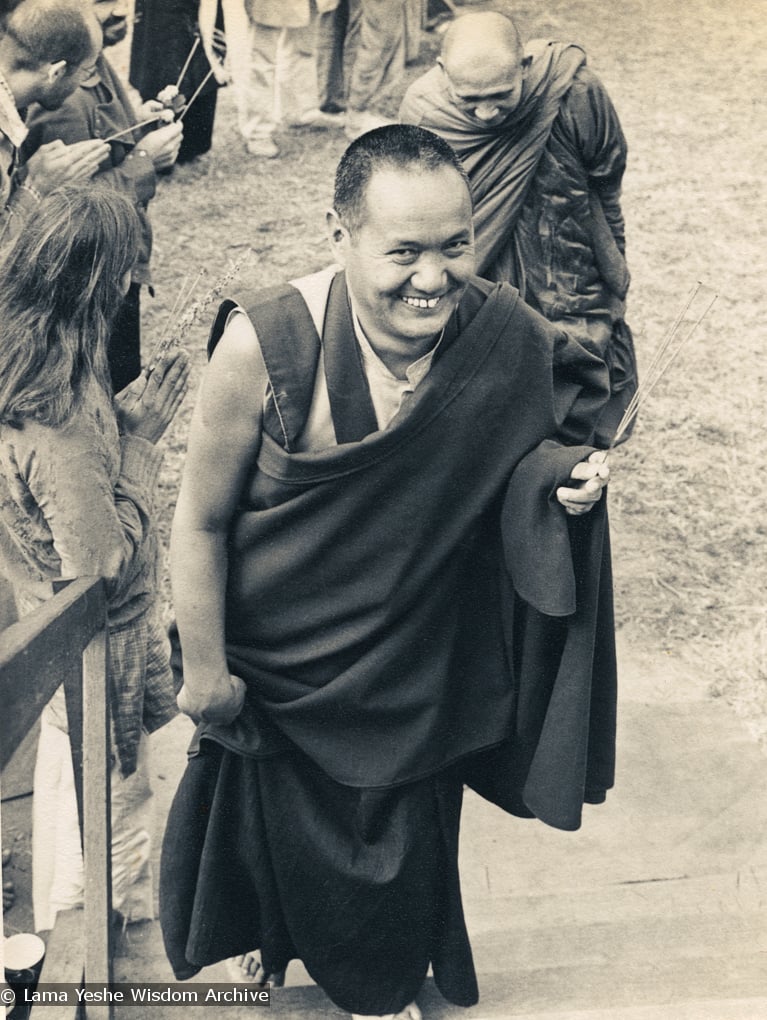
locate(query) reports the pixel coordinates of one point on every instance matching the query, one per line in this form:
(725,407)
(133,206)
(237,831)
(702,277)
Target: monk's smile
(426,304)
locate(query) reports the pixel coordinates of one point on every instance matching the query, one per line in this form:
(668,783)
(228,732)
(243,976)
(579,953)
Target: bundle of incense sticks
(219,49)
(682,328)
(188,60)
(183,315)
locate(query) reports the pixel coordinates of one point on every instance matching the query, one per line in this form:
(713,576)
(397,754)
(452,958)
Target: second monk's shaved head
(481,43)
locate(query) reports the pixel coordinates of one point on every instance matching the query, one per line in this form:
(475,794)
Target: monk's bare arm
(224,440)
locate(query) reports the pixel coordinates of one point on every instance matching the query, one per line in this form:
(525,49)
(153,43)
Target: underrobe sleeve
(590,119)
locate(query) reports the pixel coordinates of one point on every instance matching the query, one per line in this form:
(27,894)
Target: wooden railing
(65,641)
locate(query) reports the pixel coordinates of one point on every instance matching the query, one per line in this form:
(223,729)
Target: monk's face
(487,92)
(408,263)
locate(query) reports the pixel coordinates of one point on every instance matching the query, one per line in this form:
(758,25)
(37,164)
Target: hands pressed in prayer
(592,475)
(147,406)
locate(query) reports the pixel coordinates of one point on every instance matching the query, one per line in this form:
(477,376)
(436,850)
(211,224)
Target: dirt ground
(688,81)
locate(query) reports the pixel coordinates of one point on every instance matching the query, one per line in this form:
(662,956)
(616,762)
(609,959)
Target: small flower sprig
(178,325)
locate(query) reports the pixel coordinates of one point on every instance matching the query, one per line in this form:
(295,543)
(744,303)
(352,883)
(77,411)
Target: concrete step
(699,1009)
(621,953)
(609,988)
(715,896)
(644,942)
(655,910)
(689,800)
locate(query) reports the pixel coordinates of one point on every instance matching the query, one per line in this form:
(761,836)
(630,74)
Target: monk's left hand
(592,475)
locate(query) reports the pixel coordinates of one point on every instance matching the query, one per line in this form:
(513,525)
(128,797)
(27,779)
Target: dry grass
(688,492)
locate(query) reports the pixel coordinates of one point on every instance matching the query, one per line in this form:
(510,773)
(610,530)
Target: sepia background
(655,909)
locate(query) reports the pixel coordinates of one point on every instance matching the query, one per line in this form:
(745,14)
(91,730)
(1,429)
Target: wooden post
(97,821)
(66,639)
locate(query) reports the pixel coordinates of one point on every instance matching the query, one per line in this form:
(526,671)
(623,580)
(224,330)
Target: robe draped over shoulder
(365,581)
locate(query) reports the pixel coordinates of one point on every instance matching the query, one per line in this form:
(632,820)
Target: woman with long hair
(78,471)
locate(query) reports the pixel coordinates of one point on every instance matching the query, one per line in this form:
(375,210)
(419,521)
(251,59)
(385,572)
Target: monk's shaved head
(482,43)
(485,67)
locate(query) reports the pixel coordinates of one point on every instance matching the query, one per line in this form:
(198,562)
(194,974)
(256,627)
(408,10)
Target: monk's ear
(338,236)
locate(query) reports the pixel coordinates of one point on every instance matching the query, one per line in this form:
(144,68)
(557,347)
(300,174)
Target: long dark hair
(60,287)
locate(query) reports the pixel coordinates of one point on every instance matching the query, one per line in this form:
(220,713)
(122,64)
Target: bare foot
(248,967)
(411,1012)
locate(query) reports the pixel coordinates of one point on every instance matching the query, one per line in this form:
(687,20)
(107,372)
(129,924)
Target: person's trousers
(379,61)
(273,78)
(330,43)
(57,859)
(360,53)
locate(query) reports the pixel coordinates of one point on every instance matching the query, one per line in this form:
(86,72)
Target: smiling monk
(347,546)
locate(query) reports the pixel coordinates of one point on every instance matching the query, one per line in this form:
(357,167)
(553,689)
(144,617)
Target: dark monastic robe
(371,614)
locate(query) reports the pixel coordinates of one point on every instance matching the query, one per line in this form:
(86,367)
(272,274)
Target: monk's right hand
(220,702)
